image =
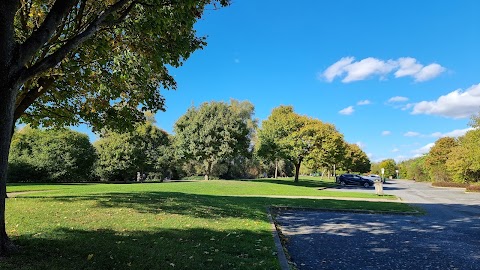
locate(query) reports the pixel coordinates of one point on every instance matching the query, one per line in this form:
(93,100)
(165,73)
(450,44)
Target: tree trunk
(8,93)
(276,168)
(208,170)
(297,170)
(7,102)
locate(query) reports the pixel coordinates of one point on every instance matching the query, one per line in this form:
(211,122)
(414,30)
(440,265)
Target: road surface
(447,237)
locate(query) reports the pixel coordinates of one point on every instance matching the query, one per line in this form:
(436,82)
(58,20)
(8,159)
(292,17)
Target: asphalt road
(447,237)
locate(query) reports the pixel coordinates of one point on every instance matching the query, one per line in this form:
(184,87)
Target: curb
(360,211)
(282,258)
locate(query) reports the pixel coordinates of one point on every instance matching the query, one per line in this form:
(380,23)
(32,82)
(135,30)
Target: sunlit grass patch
(192,225)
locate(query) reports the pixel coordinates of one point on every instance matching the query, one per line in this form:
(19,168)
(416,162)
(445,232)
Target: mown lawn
(188,225)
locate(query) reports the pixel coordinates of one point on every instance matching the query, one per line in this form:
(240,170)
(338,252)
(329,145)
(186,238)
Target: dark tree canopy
(51,156)
(212,133)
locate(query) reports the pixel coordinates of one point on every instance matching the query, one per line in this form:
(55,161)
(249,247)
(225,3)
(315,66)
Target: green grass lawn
(188,225)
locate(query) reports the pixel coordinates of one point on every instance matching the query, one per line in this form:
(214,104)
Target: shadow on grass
(159,246)
(300,183)
(195,248)
(215,207)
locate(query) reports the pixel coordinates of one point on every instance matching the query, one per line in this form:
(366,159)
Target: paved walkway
(447,237)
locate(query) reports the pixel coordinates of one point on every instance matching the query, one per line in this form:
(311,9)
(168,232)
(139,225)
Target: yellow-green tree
(355,159)
(287,135)
(437,157)
(389,166)
(464,160)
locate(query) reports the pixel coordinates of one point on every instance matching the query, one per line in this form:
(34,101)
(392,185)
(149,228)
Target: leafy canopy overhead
(114,76)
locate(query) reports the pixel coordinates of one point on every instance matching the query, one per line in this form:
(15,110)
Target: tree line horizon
(216,139)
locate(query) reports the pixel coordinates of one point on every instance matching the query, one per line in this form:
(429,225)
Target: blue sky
(392,76)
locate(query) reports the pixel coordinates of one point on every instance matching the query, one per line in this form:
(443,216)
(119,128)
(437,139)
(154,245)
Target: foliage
(81,61)
(390,166)
(279,124)
(414,169)
(449,184)
(117,69)
(435,161)
(473,188)
(122,155)
(287,135)
(50,155)
(356,160)
(464,161)
(213,133)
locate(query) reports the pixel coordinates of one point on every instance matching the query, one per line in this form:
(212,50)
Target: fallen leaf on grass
(89,257)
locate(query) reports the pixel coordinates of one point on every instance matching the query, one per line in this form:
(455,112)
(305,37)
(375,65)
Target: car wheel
(366,184)
(342,183)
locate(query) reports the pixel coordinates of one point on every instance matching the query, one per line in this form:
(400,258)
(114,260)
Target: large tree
(464,159)
(281,122)
(355,159)
(63,62)
(122,155)
(437,157)
(297,138)
(212,133)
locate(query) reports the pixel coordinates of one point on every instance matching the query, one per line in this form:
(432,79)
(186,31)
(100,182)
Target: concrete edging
(282,258)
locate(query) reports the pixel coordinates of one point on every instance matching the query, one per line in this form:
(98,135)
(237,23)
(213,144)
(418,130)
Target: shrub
(473,188)
(50,156)
(449,184)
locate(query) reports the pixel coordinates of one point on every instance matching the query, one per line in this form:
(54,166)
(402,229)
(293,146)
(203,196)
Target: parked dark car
(353,179)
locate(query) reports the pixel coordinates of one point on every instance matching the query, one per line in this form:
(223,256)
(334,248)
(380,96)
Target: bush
(473,188)
(449,184)
(50,156)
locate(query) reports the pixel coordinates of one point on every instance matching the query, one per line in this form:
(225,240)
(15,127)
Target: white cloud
(397,99)
(456,104)
(429,72)
(360,144)
(453,133)
(368,67)
(347,111)
(386,133)
(411,134)
(395,150)
(337,69)
(364,102)
(423,150)
(410,67)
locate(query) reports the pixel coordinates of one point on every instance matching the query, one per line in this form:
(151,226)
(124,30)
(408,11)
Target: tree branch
(8,8)
(29,98)
(46,30)
(53,59)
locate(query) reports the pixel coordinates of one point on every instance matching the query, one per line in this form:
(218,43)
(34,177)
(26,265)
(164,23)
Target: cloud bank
(352,70)
(456,104)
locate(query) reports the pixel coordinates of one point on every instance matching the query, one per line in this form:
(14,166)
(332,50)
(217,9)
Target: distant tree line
(449,160)
(214,140)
